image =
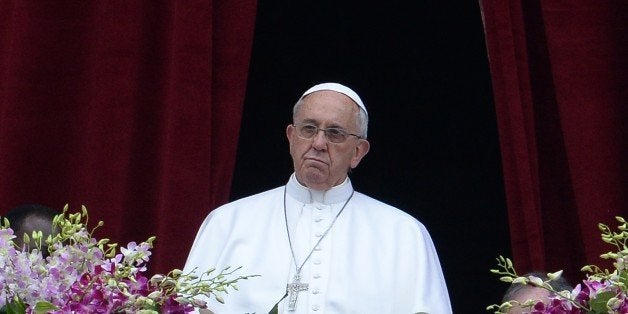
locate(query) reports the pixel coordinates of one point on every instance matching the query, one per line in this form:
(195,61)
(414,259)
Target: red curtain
(131,108)
(559,71)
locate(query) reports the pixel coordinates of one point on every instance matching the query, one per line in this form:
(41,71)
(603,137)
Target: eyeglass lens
(308,131)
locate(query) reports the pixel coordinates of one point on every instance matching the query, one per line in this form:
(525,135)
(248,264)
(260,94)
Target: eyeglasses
(335,135)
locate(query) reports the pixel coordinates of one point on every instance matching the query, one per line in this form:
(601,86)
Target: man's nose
(319,141)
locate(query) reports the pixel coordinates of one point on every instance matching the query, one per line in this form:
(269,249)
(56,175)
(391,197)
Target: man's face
(318,163)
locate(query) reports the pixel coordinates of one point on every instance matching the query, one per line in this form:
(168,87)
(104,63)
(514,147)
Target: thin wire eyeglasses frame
(299,127)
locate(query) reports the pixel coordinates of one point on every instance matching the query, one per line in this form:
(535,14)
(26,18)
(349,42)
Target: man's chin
(316,180)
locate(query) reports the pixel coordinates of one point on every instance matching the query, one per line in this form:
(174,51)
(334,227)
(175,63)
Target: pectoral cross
(293,291)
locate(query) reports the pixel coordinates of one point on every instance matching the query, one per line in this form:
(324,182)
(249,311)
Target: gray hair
(362,119)
(559,284)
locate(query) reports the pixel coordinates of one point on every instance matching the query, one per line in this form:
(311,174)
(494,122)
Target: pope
(318,245)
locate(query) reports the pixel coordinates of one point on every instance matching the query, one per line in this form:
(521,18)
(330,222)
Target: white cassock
(374,259)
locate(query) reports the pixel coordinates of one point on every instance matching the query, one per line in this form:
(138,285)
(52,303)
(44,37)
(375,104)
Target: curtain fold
(559,81)
(130,108)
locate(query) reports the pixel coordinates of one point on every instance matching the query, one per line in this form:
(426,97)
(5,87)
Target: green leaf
(623,278)
(275,309)
(16,307)
(598,305)
(44,307)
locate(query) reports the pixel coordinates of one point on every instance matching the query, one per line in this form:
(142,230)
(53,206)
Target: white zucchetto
(337,88)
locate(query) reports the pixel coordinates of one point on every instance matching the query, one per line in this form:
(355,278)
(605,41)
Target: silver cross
(293,291)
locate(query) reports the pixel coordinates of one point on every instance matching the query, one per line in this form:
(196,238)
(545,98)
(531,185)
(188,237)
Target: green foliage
(107,274)
(15,307)
(609,288)
(598,305)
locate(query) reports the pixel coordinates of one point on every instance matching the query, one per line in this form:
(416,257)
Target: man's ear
(289,131)
(360,151)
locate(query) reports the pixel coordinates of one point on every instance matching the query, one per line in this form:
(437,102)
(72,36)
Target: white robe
(374,259)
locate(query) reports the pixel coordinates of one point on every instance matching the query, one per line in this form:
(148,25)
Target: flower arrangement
(82,274)
(603,290)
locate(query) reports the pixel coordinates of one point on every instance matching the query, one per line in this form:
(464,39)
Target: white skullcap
(337,88)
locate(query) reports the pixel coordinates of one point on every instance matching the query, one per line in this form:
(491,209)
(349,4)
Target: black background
(421,68)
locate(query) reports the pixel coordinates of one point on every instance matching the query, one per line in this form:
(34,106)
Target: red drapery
(559,71)
(131,108)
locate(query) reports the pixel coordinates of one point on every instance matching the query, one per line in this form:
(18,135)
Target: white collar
(303,194)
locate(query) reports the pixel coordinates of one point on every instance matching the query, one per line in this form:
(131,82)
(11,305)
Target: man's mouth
(314,159)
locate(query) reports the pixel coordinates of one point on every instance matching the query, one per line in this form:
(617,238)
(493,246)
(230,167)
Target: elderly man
(521,293)
(25,219)
(318,245)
